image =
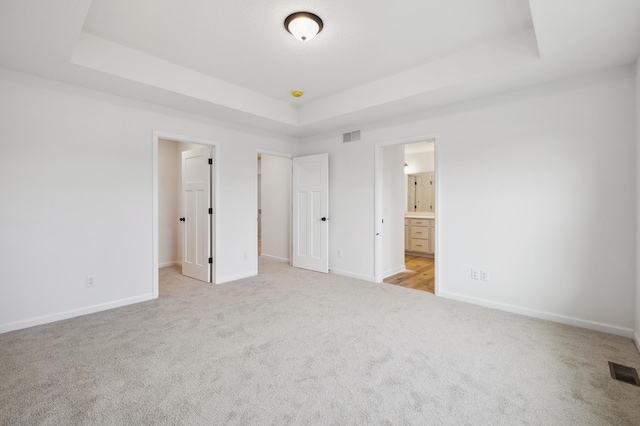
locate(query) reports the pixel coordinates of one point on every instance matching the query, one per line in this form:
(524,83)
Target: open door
(197,213)
(311,212)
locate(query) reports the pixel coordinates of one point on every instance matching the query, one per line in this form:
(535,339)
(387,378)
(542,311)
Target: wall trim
(167,264)
(562,319)
(279,259)
(394,271)
(235,277)
(364,277)
(636,338)
(46,319)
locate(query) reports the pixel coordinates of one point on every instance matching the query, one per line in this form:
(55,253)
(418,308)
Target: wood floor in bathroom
(419,275)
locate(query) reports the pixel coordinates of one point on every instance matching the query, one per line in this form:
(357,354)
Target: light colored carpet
(297,347)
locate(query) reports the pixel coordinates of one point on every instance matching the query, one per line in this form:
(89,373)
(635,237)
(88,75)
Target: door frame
(260,151)
(156,136)
(378,202)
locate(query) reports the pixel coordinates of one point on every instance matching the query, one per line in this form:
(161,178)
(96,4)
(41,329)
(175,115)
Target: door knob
(182,219)
(324,219)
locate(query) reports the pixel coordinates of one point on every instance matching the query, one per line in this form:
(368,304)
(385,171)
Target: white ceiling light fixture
(303,25)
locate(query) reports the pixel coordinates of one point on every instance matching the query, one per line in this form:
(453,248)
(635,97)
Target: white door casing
(311,212)
(196,204)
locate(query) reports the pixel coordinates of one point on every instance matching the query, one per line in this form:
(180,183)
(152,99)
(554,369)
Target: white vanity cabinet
(419,235)
(407,234)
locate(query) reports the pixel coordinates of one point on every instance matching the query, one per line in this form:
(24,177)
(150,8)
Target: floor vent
(624,373)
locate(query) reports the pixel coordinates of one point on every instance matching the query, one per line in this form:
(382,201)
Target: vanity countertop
(419,216)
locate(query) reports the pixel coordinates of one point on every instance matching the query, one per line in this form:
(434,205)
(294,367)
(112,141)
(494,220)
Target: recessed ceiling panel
(245,43)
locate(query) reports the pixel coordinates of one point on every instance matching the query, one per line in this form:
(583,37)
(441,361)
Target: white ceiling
(244,42)
(234,61)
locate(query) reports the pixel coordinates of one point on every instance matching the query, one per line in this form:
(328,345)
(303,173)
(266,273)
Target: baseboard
(167,264)
(394,271)
(46,319)
(279,259)
(370,278)
(636,338)
(229,278)
(563,319)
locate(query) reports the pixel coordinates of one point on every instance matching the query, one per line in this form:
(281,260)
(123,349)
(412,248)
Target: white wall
(420,162)
(393,207)
(637,322)
(536,185)
(276,206)
(76,169)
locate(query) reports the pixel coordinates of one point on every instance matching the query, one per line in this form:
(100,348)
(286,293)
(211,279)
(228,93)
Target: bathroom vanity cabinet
(419,235)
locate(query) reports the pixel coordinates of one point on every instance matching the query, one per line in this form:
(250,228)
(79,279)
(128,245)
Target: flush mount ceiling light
(297,93)
(303,25)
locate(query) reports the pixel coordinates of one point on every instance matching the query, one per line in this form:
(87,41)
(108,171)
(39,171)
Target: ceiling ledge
(482,61)
(102,55)
(599,31)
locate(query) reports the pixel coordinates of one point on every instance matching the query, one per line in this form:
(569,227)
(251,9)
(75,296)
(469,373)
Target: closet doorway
(171,203)
(273,206)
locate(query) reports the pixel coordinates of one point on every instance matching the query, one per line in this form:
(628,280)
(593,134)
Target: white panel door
(311,212)
(196,202)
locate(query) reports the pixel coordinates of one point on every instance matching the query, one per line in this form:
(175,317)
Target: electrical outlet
(484,275)
(339,253)
(475,274)
(91,280)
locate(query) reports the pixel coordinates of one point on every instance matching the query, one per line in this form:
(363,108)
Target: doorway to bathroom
(406,214)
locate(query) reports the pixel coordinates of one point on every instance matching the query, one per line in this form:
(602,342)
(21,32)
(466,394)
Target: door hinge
(210,210)
(211,260)
(415,183)
(210,160)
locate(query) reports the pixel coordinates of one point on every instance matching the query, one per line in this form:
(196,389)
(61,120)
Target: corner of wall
(59,316)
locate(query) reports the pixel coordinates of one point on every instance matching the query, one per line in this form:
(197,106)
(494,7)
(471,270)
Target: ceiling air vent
(351,136)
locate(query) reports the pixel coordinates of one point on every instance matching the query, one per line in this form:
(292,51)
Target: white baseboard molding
(636,338)
(46,319)
(364,277)
(562,319)
(279,259)
(167,264)
(394,271)
(229,278)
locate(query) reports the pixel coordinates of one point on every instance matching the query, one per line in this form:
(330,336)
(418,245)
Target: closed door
(196,214)
(432,191)
(411,193)
(310,212)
